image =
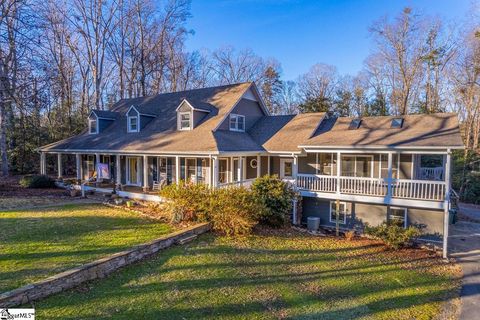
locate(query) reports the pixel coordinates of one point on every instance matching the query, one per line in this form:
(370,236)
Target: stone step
(187,239)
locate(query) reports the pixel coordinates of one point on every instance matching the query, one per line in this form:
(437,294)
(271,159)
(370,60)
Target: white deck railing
(364,186)
(419,189)
(406,189)
(317,182)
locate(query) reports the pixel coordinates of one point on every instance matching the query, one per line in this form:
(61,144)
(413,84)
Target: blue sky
(301,33)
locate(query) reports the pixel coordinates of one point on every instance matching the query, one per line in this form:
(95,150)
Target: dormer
(98,120)
(137,120)
(188,116)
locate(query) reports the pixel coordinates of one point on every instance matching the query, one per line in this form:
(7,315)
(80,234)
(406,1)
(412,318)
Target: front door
(286,168)
(133,171)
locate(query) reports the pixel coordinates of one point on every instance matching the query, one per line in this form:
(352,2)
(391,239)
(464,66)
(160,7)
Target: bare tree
(317,88)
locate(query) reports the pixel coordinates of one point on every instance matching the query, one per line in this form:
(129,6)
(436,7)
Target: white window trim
(405,215)
(90,126)
(139,176)
(236,116)
(189,121)
(344,213)
(129,124)
(282,168)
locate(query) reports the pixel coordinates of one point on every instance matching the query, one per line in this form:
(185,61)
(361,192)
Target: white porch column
(268,165)
(259,168)
(295,169)
(118,171)
(215,172)
(59,166)
(339,167)
(97,161)
(241,172)
(43,163)
(389,176)
(78,164)
(145,173)
(177,169)
(446,204)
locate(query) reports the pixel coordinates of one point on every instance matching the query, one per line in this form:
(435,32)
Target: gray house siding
(430,221)
(307,164)
(248,108)
(251,172)
(264,166)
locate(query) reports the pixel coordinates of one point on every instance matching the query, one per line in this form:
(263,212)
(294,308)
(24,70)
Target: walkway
(465,247)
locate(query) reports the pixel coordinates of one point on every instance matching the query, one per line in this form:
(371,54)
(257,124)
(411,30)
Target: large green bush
(393,235)
(186,202)
(37,181)
(277,198)
(234,211)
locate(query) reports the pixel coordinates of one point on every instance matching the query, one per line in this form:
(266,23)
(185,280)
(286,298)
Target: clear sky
(301,33)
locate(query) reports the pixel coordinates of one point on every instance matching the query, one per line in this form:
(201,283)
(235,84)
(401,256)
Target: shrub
(234,211)
(393,235)
(276,196)
(350,235)
(37,181)
(186,202)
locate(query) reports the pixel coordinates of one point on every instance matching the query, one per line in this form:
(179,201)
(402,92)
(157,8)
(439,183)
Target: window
(133,124)
(384,166)
(397,123)
(237,122)
(325,163)
(398,215)
(357,166)
(342,218)
(185,121)
(355,124)
(92,126)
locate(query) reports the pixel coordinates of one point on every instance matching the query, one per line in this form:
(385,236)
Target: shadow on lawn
(135,298)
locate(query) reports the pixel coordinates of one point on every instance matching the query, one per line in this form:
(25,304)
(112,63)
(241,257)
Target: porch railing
(317,182)
(419,189)
(400,188)
(246,183)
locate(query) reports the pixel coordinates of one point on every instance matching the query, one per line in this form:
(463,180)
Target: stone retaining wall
(96,269)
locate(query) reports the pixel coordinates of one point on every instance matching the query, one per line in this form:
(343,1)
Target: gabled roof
(285,133)
(161,134)
(105,114)
(140,113)
(185,101)
(422,130)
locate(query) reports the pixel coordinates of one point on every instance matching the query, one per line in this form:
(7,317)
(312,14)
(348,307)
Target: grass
(35,244)
(266,276)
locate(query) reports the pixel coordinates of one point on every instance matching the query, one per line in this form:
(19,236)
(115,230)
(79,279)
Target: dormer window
(237,122)
(92,126)
(185,121)
(355,124)
(133,124)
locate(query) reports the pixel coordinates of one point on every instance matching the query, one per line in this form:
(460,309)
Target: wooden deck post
(389,177)
(177,169)
(339,160)
(241,173)
(268,165)
(215,172)
(446,204)
(97,162)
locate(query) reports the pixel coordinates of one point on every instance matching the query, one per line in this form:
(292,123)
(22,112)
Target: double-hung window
(185,121)
(237,122)
(133,124)
(92,126)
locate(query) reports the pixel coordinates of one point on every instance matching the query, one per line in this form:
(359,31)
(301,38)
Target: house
(380,168)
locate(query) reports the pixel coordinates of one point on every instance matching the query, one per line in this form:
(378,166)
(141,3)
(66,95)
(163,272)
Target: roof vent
(397,123)
(354,124)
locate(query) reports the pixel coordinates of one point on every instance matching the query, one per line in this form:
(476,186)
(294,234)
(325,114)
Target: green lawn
(35,244)
(270,276)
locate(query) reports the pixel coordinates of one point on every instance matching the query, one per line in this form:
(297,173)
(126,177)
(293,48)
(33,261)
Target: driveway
(465,247)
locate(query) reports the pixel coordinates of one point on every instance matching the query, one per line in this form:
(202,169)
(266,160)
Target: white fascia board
(432,205)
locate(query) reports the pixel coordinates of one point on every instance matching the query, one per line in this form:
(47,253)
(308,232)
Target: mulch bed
(10,187)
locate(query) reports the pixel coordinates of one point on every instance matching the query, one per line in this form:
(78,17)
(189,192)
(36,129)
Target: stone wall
(96,269)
